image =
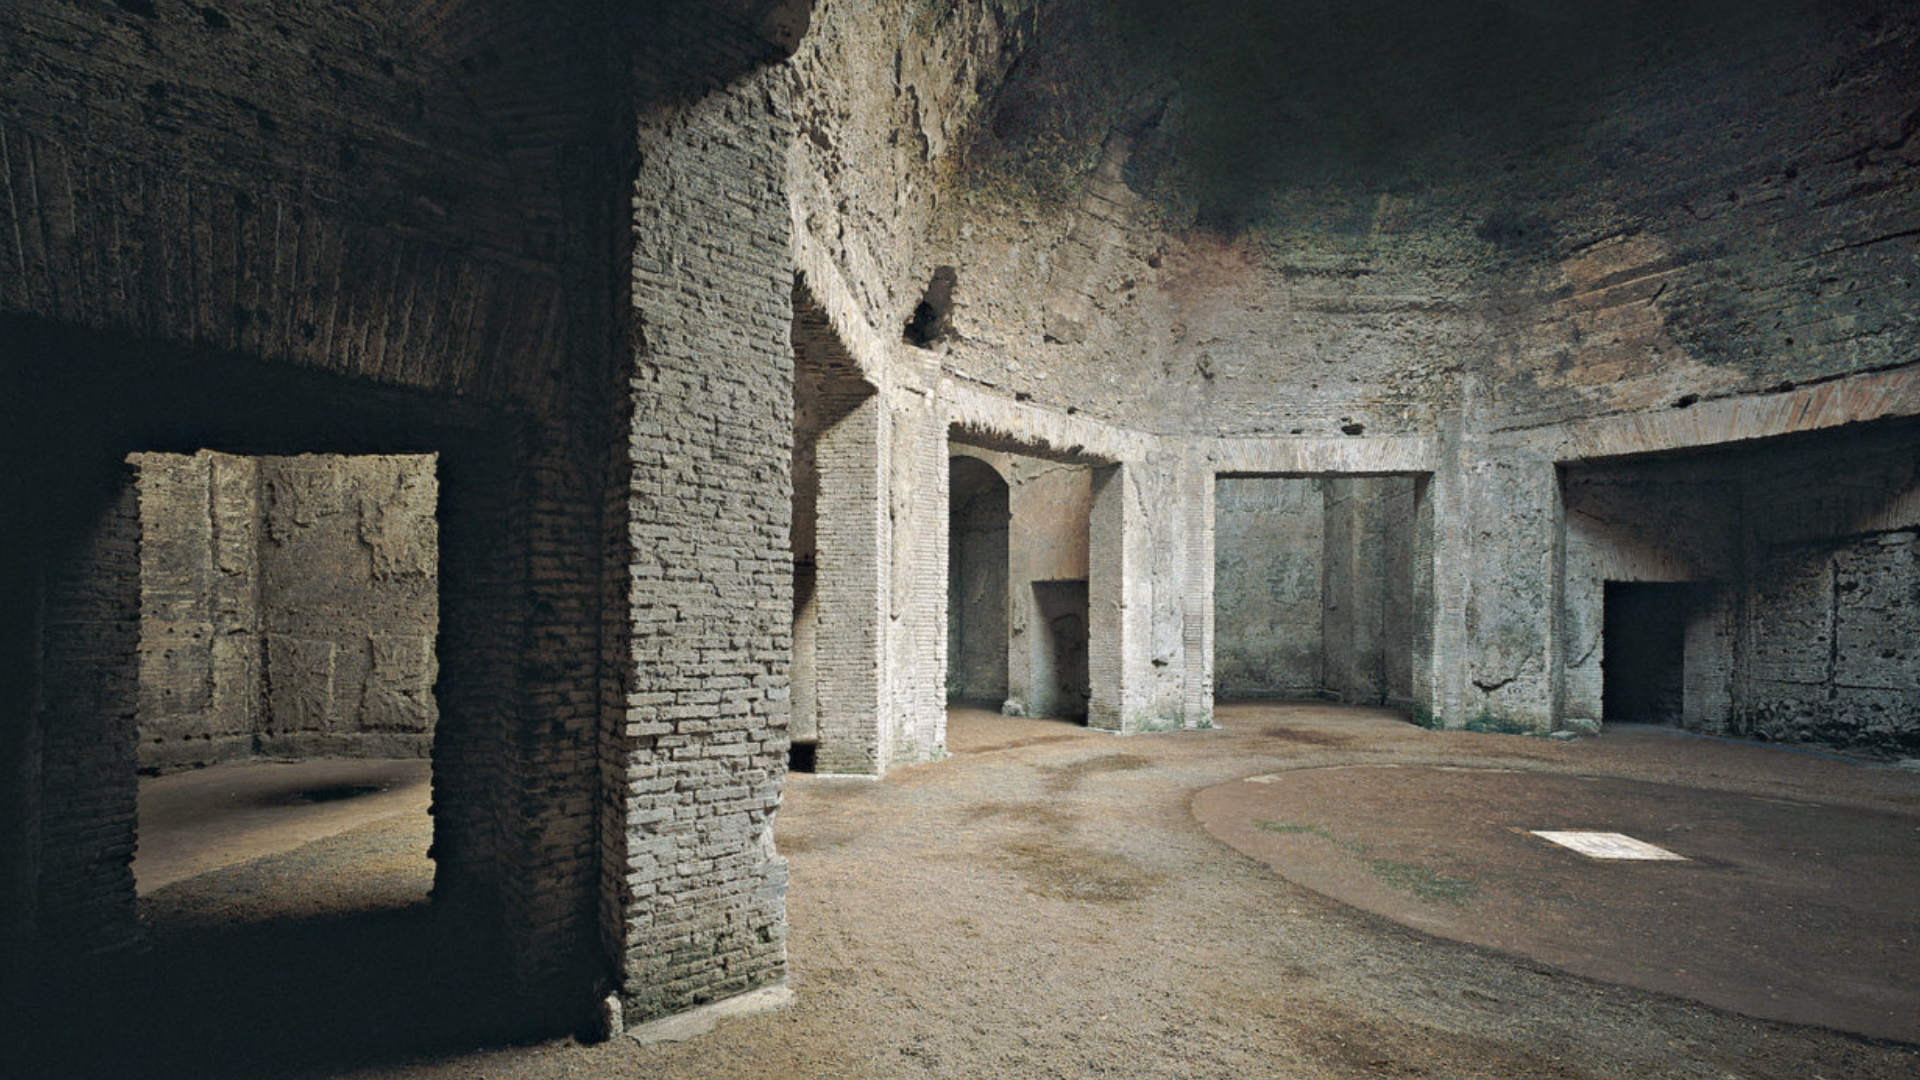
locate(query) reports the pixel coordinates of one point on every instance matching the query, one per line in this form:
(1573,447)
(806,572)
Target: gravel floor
(1044,904)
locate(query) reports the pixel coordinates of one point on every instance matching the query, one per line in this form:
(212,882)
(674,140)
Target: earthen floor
(1051,901)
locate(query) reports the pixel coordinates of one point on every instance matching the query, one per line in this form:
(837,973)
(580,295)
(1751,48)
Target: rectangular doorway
(1644,642)
(1061,679)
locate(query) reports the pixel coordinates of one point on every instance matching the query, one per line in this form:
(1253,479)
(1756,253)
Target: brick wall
(702,744)
(852,557)
(438,201)
(1315,587)
(89,697)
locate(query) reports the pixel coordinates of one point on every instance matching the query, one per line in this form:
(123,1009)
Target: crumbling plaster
(1471,330)
(561,245)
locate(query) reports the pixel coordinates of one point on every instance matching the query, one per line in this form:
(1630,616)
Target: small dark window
(931,323)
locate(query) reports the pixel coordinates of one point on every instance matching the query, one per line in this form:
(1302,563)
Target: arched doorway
(977,531)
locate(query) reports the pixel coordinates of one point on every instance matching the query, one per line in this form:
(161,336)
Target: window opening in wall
(1643,642)
(977,600)
(932,317)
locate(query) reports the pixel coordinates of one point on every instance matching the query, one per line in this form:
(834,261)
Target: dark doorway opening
(206,990)
(1062,683)
(1644,643)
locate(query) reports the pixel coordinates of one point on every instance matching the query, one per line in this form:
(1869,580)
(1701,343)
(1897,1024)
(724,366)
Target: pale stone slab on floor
(1608,845)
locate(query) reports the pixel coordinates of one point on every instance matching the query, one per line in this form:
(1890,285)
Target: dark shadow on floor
(317,949)
(276,999)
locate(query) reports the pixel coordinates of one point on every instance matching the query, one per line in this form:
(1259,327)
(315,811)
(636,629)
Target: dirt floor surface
(192,823)
(1046,903)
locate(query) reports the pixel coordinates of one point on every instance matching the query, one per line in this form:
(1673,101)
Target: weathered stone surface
(978,599)
(580,250)
(1269,536)
(1803,552)
(290,600)
(694,892)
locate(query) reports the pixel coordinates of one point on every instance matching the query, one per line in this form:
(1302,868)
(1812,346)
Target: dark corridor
(1644,636)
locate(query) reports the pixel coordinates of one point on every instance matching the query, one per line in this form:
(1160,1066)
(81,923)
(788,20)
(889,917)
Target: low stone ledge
(696,1022)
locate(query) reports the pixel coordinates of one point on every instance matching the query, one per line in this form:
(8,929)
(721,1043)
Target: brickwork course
(695,306)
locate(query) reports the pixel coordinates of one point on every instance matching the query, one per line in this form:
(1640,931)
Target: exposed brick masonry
(704,734)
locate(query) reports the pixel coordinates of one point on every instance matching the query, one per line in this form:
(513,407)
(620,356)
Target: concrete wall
(1643,240)
(1315,588)
(1671,523)
(1804,552)
(1369,614)
(916,505)
(289,607)
(348,593)
(1047,646)
(1269,543)
(200,648)
(1044,642)
(1828,647)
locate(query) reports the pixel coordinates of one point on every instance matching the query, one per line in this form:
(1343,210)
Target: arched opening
(1019,627)
(977,602)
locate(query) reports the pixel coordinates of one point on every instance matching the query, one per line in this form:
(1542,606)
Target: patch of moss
(1282,827)
(1421,882)
(1421,716)
(1488,722)
(1426,884)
